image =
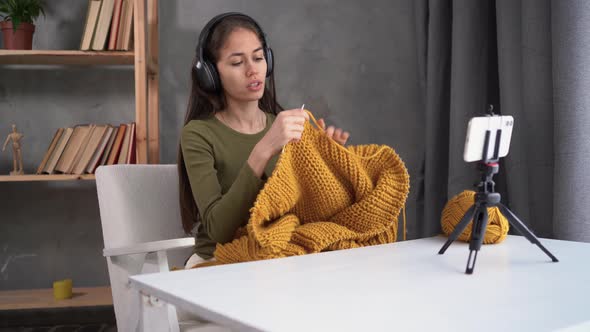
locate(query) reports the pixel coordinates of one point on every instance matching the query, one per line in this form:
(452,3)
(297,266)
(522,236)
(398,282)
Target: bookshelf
(43,298)
(143,58)
(65,57)
(48,177)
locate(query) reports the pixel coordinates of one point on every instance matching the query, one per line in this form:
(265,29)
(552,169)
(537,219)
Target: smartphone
(498,128)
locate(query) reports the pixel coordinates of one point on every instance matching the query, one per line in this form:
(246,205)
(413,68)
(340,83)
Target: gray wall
(355,63)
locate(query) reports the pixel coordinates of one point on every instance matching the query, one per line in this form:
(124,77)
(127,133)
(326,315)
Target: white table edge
(199,311)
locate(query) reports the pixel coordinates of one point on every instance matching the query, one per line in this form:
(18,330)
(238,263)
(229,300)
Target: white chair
(140,216)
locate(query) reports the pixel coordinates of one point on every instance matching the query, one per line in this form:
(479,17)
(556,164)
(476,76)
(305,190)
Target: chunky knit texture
(496,230)
(322,196)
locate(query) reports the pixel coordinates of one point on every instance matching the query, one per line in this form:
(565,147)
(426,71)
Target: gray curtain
(570,31)
(529,58)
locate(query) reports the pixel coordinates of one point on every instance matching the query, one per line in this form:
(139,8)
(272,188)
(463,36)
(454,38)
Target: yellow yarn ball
(497,227)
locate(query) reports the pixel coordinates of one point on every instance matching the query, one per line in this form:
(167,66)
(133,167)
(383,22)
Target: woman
(233,131)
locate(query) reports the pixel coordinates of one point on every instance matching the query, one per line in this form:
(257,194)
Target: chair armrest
(147,247)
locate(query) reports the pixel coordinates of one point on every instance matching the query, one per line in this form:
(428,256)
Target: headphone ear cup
(269,61)
(208,77)
(216,86)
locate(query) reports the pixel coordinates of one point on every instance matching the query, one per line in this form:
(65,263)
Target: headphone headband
(206,32)
(206,71)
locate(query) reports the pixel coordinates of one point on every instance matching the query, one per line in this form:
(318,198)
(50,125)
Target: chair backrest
(138,203)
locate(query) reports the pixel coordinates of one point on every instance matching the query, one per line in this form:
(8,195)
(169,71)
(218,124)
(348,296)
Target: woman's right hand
(287,127)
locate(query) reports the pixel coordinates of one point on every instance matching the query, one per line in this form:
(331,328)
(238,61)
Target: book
(109,147)
(99,151)
(102,25)
(116,150)
(122,25)
(125,146)
(52,146)
(90,25)
(131,158)
(115,24)
(81,150)
(93,141)
(124,38)
(59,148)
(68,157)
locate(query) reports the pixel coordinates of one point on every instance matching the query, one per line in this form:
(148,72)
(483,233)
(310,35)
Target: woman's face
(242,67)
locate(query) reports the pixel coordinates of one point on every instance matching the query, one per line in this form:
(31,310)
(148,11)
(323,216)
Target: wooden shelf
(45,177)
(65,57)
(43,298)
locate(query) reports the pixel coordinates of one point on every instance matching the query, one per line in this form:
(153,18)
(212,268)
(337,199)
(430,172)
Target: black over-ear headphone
(207,74)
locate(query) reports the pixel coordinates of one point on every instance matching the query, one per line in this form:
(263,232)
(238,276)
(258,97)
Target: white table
(404,286)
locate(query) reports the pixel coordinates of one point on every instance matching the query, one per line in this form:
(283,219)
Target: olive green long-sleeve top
(223,184)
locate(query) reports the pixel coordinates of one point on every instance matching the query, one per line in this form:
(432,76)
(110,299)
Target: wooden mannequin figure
(17,157)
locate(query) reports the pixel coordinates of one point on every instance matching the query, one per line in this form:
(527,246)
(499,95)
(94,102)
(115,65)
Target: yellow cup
(62,289)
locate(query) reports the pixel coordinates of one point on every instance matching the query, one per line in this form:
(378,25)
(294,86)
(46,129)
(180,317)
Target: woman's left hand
(334,133)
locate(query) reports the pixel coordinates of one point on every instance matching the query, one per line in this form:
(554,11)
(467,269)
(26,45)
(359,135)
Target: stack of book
(82,148)
(108,25)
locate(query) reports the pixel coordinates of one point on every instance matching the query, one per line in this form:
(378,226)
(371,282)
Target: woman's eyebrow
(242,53)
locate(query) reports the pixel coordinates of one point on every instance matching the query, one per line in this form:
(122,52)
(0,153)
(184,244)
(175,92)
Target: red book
(131,156)
(115,24)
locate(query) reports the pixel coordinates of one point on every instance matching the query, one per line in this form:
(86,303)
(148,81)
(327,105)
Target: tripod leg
(478,231)
(458,229)
(522,229)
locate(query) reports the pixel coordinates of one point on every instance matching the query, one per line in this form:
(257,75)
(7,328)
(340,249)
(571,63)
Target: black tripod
(484,198)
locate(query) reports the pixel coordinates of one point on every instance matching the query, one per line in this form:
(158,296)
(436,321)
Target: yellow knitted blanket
(322,196)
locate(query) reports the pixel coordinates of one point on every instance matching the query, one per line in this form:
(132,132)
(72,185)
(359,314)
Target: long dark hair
(201,105)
